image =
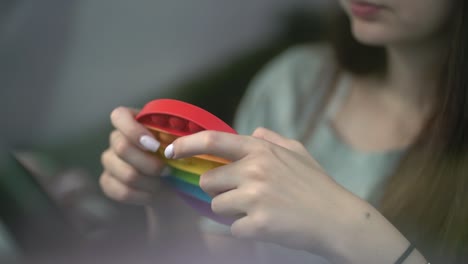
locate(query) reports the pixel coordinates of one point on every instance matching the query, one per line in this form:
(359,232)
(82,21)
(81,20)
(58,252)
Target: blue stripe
(189,189)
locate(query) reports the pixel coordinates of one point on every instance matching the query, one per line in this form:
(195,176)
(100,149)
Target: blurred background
(64,65)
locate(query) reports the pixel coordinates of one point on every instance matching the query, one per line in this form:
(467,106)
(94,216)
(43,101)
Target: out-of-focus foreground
(66,64)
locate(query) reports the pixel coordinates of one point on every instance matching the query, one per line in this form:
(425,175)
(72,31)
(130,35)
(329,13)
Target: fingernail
(149,143)
(169,151)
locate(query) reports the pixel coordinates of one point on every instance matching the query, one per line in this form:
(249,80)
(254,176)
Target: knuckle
(155,169)
(205,182)
(134,131)
(216,205)
(121,146)
(210,139)
(239,232)
(261,223)
(123,195)
(259,132)
(262,148)
(253,194)
(118,194)
(106,186)
(256,170)
(131,176)
(104,157)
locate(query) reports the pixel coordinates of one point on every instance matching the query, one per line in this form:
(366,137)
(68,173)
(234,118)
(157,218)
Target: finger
(124,120)
(229,204)
(144,162)
(225,145)
(275,138)
(122,193)
(128,175)
(219,180)
(243,228)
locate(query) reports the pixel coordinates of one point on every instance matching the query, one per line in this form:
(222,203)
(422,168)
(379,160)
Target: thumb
(277,139)
(270,136)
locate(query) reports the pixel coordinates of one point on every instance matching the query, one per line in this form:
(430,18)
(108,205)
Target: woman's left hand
(273,187)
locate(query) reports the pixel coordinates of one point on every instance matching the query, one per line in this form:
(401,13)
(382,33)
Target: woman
(367,161)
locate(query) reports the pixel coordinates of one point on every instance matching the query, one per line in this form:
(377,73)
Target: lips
(364,9)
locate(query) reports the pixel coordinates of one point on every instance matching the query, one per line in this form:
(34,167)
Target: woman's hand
(274,188)
(130,170)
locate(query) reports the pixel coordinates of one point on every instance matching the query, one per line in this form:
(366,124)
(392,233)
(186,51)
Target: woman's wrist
(368,237)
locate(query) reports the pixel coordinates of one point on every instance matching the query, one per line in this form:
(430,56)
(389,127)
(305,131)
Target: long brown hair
(427,196)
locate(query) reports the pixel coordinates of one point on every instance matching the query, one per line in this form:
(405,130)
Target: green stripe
(185,176)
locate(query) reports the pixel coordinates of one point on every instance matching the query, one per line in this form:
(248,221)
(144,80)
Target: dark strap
(405,254)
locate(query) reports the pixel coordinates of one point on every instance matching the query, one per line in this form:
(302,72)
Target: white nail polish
(169,151)
(149,143)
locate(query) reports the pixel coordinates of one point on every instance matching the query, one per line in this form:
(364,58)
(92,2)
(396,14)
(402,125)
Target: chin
(371,33)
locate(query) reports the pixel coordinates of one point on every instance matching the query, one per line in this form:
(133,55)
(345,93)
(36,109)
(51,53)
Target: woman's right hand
(131,172)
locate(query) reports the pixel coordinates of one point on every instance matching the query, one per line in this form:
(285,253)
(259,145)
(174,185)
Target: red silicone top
(180,118)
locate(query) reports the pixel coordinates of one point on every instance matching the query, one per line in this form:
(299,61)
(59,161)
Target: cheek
(421,19)
(404,21)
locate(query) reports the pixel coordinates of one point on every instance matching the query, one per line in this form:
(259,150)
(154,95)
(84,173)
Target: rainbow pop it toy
(169,119)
